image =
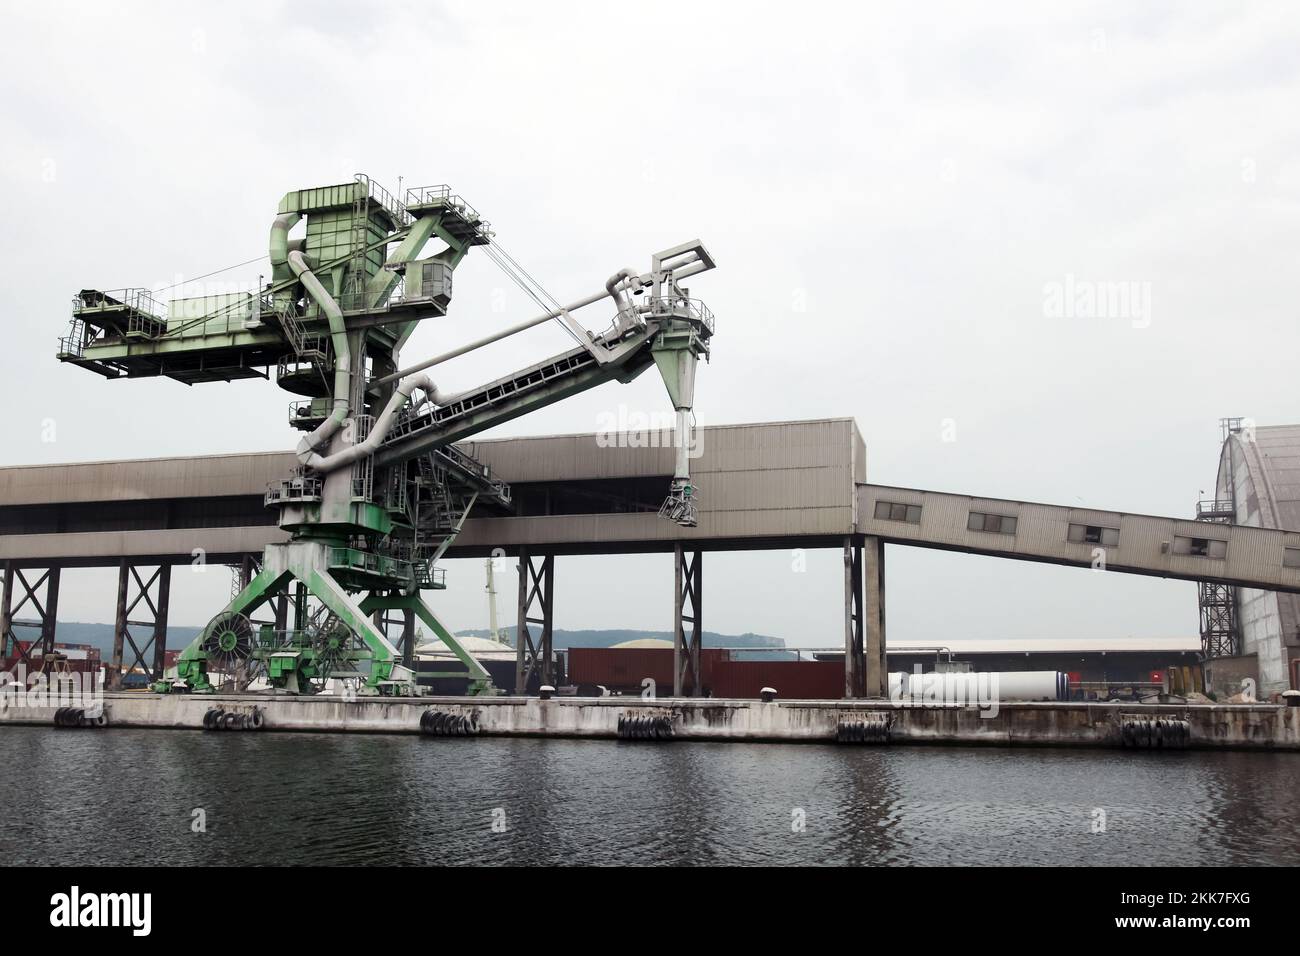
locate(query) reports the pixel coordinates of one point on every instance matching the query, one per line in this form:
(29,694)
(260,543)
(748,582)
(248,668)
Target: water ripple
(132,796)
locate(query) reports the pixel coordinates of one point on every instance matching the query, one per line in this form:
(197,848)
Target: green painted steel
(367,525)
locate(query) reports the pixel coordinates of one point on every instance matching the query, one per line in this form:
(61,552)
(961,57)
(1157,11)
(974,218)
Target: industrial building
(1252,632)
(1092,661)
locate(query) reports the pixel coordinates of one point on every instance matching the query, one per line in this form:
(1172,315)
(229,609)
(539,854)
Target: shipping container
(792,680)
(623,669)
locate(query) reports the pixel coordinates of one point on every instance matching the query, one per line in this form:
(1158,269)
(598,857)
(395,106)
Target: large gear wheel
(228,645)
(332,644)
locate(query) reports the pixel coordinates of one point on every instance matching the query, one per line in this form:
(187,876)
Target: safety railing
(475,469)
(291,324)
(680,307)
(1222,509)
(381,196)
(357,430)
(430,576)
(387,566)
(295,489)
(139,300)
(428,195)
(442,195)
(74,343)
(307,413)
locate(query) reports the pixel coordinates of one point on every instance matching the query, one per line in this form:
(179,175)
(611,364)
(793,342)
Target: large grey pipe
(342,358)
(624,278)
(280,237)
(284,252)
(383,424)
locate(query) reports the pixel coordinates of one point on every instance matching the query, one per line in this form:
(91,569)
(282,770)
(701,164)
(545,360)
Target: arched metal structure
(1249,631)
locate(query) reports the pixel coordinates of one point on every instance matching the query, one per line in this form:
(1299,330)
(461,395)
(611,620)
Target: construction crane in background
(381,490)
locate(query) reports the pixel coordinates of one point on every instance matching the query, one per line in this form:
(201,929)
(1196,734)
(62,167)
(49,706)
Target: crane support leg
(415,607)
(313,651)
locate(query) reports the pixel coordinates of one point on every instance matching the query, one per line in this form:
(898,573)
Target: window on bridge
(1201,547)
(998,524)
(1291,557)
(892,511)
(1094,534)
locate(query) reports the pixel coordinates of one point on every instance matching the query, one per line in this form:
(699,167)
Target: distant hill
(607,638)
(101,636)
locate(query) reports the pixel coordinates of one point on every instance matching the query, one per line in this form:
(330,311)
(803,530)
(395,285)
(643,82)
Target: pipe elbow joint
(619,279)
(280,237)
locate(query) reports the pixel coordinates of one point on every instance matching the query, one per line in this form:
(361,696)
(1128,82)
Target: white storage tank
(985,686)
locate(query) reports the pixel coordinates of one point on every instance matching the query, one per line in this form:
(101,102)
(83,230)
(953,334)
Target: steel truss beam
(155,594)
(688,593)
(536,596)
(46,609)
(1220,634)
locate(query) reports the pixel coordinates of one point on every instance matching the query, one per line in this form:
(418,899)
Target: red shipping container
(624,668)
(792,680)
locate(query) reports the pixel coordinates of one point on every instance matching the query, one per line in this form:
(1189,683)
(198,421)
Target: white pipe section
(694,268)
(383,425)
(983,687)
(494,337)
(615,285)
(342,358)
(280,237)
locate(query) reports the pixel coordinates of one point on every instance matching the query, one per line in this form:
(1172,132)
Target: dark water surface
(128,796)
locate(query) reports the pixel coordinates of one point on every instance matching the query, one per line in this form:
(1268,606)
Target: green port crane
(381,489)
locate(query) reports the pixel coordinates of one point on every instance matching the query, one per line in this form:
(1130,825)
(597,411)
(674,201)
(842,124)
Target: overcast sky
(896,195)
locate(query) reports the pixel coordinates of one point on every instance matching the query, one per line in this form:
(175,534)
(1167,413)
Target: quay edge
(1145,726)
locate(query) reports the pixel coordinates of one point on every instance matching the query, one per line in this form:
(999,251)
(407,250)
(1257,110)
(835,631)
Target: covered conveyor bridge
(762,486)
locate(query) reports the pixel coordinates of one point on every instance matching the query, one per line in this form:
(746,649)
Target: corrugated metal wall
(1147,544)
(145,478)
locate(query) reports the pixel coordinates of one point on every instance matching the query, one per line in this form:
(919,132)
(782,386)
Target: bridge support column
(536,597)
(155,595)
(688,595)
(45,606)
(6,611)
(876,682)
(855,666)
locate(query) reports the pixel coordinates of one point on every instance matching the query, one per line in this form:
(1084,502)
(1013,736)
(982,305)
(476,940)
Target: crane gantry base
(331,643)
